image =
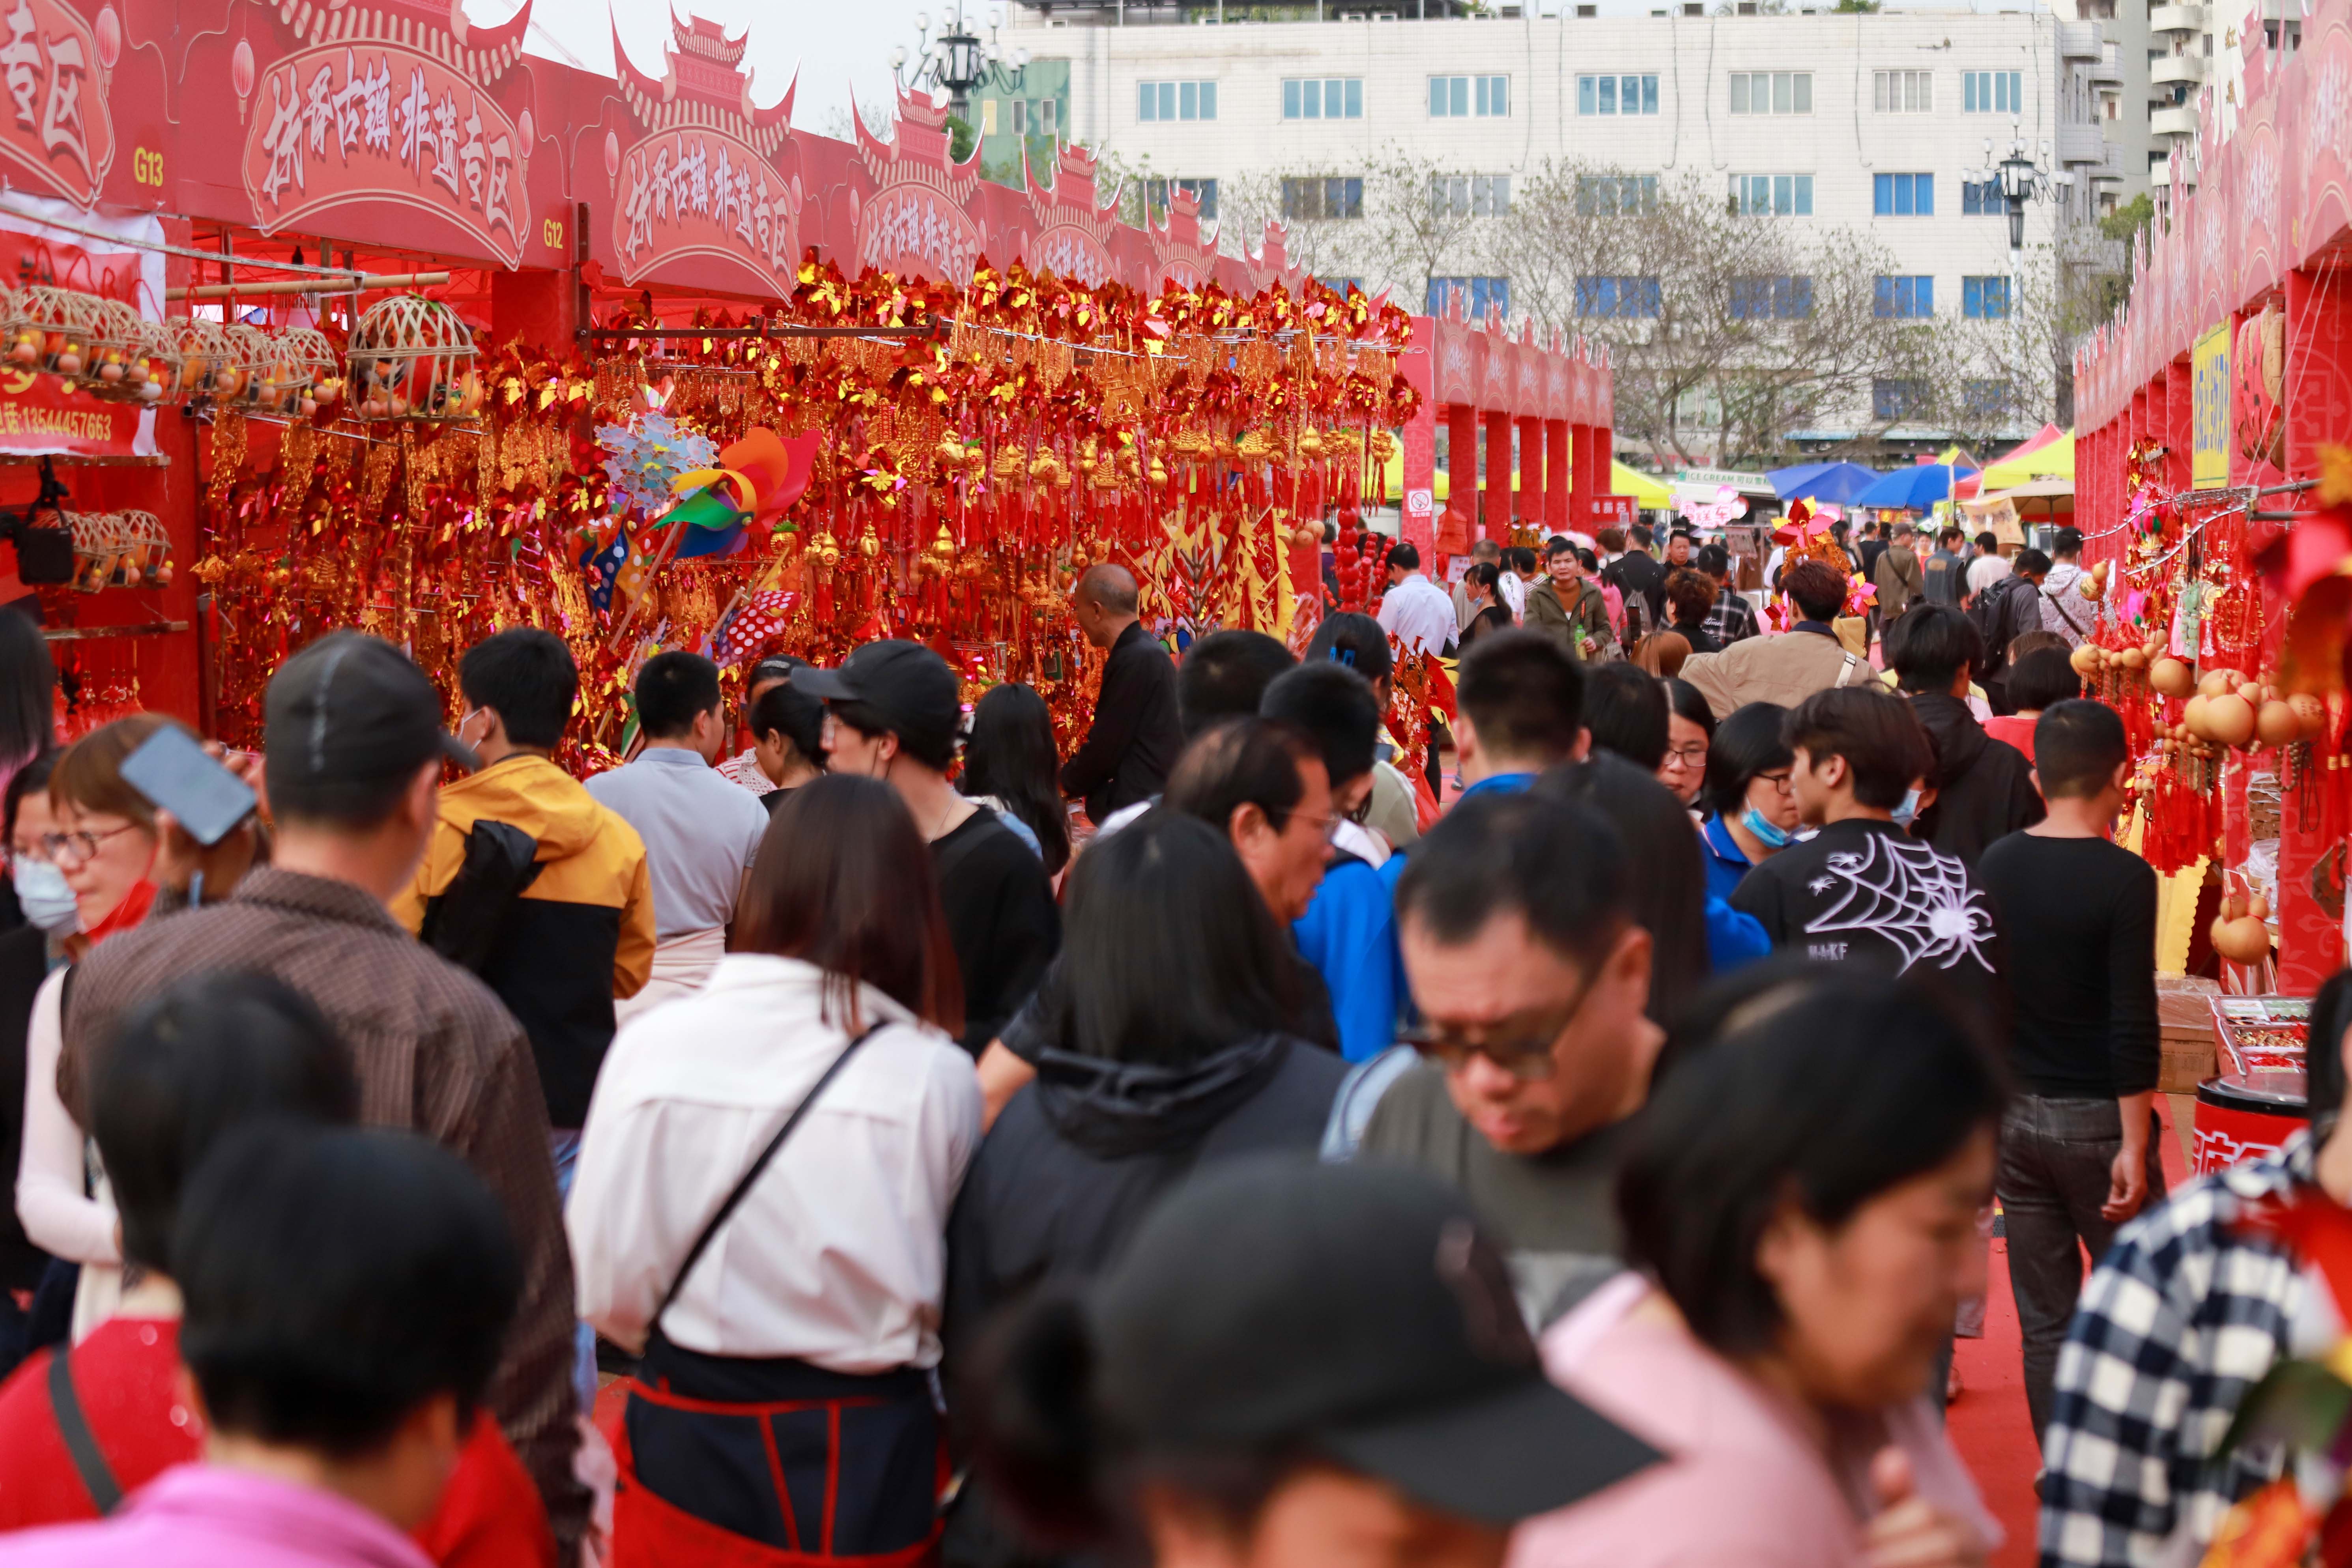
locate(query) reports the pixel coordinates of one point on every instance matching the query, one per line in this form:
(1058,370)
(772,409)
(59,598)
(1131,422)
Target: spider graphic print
(1907,895)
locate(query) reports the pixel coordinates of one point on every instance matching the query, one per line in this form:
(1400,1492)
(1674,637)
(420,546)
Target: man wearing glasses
(1531,978)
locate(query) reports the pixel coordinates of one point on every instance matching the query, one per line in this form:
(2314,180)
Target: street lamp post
(958,59)
(2020,179)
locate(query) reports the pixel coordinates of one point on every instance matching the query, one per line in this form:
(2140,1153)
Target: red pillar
(2180,423)
(1462,464)
(1499,475)
(2319,403)
(1580,490)
(1532,490)
(1557,462)
(1603,441)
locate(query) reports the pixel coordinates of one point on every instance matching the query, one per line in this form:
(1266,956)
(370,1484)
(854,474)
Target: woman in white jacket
(785,1292)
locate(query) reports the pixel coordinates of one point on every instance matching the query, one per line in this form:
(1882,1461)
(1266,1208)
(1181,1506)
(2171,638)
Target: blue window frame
(1784,297)
(1992,92)
(1903,195)
(1985,298)
(1476,295)
(1459,97)
(1323,98)
(1894,398)
(1617,298)
(1616,95)
(1157,100)
(1772,196)
(1905,296)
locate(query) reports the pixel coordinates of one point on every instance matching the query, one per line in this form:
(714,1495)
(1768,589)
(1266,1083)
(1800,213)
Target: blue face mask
(1909,809)
(42,894)
(1768,833)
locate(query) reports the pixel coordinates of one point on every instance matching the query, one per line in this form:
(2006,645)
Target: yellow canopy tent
(2055,461)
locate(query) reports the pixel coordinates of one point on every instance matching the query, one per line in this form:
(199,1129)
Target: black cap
(352,709)
(1355,1309)
(907,685)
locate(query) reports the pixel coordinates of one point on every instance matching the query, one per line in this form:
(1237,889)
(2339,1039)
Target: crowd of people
(852,1129)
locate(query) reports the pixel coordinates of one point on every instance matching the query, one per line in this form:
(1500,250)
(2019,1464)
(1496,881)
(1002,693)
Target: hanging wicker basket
(412,359)
(309,374)
(127,549)
(222,361)
(129,358)
(50,328)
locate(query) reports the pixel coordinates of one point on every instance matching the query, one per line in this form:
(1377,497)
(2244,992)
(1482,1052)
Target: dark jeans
(2053,1177)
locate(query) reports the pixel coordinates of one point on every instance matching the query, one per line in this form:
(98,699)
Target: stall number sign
(2210,373)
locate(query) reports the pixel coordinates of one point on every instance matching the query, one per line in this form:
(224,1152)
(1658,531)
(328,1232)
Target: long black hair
(1743,1126)
(1170,955)
(29,692)
(1669,896)
(1011,755)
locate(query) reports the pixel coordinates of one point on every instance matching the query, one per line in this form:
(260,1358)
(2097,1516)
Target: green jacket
(1572,628)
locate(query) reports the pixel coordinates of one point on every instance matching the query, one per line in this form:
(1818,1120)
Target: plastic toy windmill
(757,478)
(2301,1405)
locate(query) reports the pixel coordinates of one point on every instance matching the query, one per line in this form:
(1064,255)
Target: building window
(1459,97)
(1323,197)
(1992,92)
(1475,295)
(1905,296)
(1771,299)
(1323,98)
(1616,195)
(1903,195)
(1469,195)
(1616,95)
(1176,101)
(1342,285)
(1981,198)
(1891,398)
(1986,399)
(1771,93)
(1617,297)
(1772,196)
(988,117)
(1204,192)
(1985,298)
(1049,116)
(1903,92)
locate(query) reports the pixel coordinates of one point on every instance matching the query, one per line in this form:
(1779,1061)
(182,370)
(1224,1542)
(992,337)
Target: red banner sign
(376,123)
(38,412)
(700,193)
(56,127)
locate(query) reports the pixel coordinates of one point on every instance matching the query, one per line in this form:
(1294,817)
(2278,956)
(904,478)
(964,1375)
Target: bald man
(1136,733)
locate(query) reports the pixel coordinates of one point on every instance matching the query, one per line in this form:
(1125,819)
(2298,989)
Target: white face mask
(42,894)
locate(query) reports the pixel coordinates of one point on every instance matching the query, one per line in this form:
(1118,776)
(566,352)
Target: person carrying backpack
(2011,607)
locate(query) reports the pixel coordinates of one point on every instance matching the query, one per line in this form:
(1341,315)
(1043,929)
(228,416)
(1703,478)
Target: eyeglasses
(1689,758)
(1330,825)
(1522,1051)
(1779,782)
(77,847)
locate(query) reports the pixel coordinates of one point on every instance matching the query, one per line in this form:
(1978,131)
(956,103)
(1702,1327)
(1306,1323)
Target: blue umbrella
(1835,483)
(1914,489)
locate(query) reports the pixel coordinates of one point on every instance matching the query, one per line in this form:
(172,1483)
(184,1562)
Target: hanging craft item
(120,548)
(296,375)
(50,328)
(129,359)
(412,358)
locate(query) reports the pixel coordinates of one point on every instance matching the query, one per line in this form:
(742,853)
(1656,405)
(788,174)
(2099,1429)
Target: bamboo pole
(350,283)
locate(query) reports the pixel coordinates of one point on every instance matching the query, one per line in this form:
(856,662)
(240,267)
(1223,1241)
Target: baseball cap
(1356,1310)
(910,688)
(351,710)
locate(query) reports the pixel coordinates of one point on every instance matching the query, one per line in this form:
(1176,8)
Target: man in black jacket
(1983,790)
(1136,733)
(1861,890)
(1636,575)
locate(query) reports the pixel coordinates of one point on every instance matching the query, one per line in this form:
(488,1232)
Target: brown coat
(1785,668)
(1899,581)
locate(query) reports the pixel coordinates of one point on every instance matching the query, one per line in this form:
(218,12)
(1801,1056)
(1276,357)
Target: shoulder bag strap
(81,1443)
(743,1184)
(2055,603)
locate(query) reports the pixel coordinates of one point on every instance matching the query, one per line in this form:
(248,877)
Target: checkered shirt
(2179,1319)
(1732,618)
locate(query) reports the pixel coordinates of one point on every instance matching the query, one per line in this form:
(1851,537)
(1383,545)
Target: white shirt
(1418,613)
(838,1254)
(1984,570)
(1514,595)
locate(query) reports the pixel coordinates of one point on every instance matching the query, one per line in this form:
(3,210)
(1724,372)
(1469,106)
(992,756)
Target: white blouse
(837,1255)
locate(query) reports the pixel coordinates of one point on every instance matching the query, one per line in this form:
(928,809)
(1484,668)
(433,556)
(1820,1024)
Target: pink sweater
(1744,1485)
(203,1516)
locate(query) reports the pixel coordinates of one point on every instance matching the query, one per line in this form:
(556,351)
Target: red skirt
(727,1463)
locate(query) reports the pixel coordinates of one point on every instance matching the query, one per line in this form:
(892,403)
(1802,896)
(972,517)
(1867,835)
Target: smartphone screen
(176,775)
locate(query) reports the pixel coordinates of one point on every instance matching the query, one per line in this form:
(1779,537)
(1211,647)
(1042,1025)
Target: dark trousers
(2052,1176)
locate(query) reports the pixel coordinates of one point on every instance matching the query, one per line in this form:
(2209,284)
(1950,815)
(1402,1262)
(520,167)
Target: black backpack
(1995,615)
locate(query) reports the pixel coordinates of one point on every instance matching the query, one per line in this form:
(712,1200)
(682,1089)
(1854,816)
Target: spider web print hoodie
(1864,891)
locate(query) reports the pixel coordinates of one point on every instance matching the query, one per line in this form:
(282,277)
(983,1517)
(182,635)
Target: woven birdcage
(412,358)
(288,368)
(220,360)
(50,328)
(131,548)
(129,358)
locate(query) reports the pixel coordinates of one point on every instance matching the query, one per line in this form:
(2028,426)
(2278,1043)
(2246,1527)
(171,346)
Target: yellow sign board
(2210,378)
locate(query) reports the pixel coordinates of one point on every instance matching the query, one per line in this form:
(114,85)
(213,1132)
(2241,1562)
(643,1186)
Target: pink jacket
(1743,1483)
(206,1516)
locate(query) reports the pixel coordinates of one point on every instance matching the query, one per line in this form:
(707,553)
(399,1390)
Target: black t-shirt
(2080,919)
(1002,918)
